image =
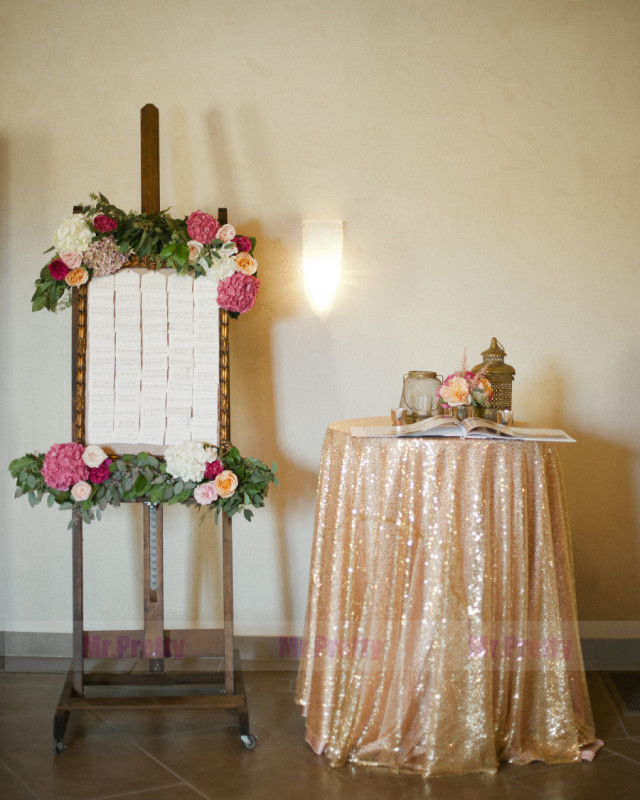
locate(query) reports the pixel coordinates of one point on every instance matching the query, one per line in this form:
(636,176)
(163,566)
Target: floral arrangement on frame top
(102,239)
(99,241)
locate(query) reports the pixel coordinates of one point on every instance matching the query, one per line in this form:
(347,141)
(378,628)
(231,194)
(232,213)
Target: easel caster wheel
(58,747)
(249,741)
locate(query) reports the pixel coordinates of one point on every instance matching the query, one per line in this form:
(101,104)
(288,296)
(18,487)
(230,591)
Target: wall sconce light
(322,260)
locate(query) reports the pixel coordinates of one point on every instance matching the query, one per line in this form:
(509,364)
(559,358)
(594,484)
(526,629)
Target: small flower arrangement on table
(465,388)
(87,479)
(101,239)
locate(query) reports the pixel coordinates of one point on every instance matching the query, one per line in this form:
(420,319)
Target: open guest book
(471,428)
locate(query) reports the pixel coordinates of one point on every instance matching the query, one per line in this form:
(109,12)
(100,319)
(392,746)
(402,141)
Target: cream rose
(93,456)
(194,250)
(456,392)
(246,263)
(226,483)
(81,491)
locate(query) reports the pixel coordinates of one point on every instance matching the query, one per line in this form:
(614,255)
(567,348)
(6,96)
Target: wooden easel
(227,685)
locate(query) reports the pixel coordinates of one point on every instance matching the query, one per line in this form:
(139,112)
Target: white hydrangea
(73,234)
(188,460)
(221,268)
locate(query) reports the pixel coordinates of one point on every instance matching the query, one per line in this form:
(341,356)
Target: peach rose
(71,258)
(246,263)
(226,233)
(226,483)
(81,491)
(194,250)
(76,277)
(483,386)
(456,392)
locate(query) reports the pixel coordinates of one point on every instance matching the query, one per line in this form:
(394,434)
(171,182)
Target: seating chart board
(152,376)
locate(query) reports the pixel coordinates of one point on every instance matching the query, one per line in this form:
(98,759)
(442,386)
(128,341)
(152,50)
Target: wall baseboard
(52,651)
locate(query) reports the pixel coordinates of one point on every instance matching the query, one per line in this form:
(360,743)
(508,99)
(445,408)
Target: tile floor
(181,755)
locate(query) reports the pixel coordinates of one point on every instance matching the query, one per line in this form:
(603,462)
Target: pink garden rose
(202,227)
(63,465)
(71,258)
(212,469)
(238,292)
(58,269)
(243,243)
(101,473)
(104,224)
(226,233)
(81,491)
(205,493)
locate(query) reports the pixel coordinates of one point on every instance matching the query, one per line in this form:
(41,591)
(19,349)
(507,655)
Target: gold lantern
(500,375)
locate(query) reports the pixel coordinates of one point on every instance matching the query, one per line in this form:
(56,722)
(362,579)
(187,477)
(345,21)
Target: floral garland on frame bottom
(86,479)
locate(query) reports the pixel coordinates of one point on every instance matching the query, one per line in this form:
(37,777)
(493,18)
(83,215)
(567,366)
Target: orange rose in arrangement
(226,483)
(246,263)
(76,277)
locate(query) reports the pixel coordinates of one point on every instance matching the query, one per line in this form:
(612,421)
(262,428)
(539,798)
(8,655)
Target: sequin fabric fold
(441,633)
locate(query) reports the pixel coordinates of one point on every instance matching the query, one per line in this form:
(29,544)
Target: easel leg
(227,602)
(77,666)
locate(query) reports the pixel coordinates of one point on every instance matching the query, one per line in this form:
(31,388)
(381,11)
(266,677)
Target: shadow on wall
(253,395)
(602,502)
(254,418)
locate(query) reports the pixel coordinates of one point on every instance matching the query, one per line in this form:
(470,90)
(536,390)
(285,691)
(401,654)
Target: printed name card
(152,359)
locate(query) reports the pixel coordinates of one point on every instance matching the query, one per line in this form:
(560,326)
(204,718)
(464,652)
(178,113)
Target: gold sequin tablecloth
(441,631)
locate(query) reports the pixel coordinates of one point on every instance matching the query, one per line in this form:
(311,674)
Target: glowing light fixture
(322,260)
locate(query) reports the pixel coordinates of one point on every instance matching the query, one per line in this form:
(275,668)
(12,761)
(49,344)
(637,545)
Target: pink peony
(205,493)
(104,224)
(243,243)
(101,473)
(238,292)
(58,269)
(63,465)
(202,227)
(212,469)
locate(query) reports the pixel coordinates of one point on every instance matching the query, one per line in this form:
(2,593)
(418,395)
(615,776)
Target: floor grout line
(18,778)
(137,792)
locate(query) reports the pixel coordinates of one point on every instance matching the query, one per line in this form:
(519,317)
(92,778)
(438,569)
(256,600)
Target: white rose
(93,456)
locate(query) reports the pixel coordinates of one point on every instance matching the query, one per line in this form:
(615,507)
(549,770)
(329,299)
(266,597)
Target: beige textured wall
(485,158)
